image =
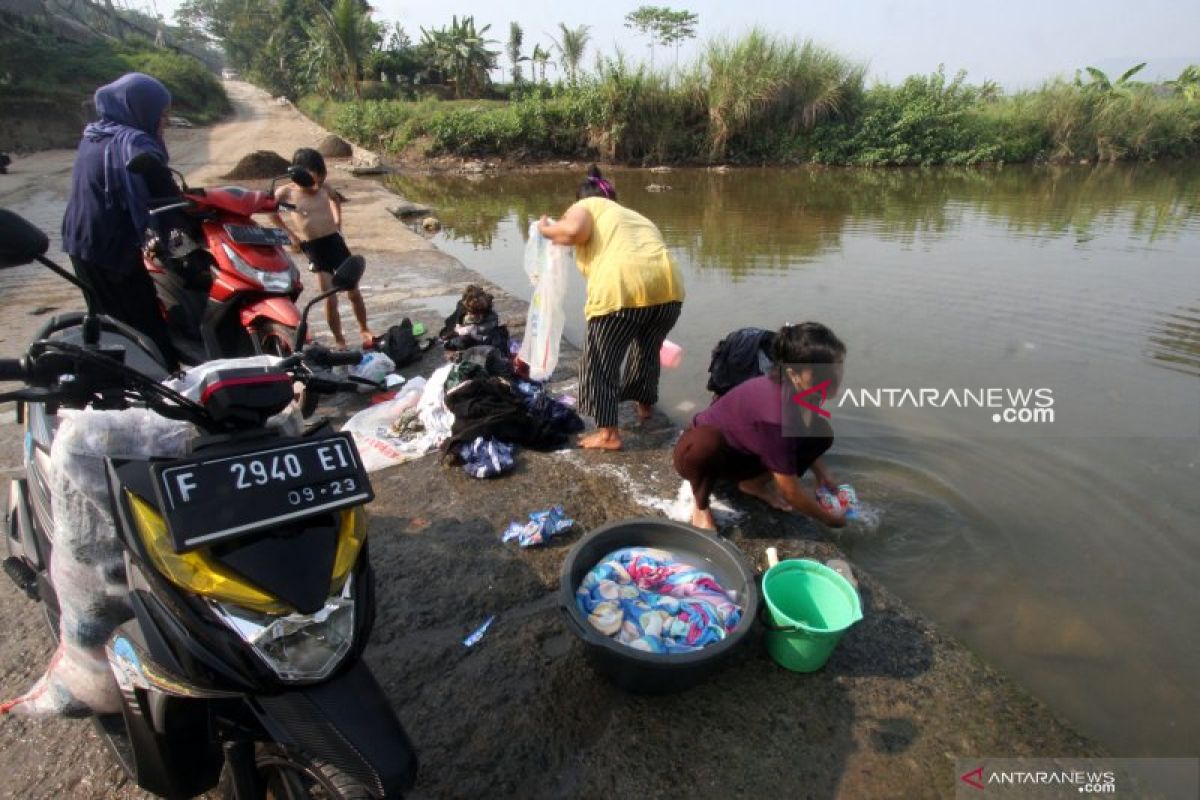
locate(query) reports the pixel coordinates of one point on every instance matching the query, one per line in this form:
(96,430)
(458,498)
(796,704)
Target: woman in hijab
(107,211)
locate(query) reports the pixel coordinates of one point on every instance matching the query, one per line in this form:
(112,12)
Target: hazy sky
(1017,42)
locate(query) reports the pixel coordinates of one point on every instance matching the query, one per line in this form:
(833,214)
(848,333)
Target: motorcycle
(248,594)
(226,285)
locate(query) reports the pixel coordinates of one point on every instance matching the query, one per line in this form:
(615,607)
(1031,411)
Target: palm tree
(461,52)
(570,47)
(541,58)
(515,38)
(347,36)
(1188,83)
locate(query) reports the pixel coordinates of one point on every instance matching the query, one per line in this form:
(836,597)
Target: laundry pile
(650,600)
(488,400)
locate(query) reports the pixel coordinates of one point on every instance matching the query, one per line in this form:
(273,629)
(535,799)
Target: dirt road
(521,714)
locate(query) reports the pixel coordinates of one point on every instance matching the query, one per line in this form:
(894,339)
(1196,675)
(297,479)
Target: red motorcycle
(225,283)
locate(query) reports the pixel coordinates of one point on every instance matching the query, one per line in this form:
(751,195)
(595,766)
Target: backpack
(400,345)
(738,357)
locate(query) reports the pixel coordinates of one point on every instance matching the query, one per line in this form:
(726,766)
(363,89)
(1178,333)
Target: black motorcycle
(248,592)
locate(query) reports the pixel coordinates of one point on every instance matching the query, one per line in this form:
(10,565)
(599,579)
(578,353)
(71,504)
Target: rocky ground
(522,714)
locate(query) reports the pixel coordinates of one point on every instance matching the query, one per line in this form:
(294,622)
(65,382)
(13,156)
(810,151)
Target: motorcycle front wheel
(288,774)
(275,339)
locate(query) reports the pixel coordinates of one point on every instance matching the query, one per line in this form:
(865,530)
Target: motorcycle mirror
(142,163)
(301,177)
(349,273)
(20,241)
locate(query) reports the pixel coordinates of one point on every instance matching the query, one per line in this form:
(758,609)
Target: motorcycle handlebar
(321,356)
(12,369)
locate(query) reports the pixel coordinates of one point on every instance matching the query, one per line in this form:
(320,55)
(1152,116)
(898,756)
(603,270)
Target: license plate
(206,500)
(253,234)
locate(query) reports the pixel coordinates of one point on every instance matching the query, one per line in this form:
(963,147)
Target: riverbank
(521,714)
(638,118)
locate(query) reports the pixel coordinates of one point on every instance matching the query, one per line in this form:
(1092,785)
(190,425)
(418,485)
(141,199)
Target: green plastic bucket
(808,607)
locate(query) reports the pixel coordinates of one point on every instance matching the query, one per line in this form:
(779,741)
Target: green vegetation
(48,69)
(757,99)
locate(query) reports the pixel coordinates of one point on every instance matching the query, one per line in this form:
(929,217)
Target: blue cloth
(487,457)
(540,527)
(107,209)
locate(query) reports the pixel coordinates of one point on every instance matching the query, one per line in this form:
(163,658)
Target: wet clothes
(649,600)
(630,336)
(327,253)
(741,436)
(737,358)
(625,261)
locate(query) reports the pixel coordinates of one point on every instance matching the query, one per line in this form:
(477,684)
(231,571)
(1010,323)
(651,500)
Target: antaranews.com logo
(1037,778)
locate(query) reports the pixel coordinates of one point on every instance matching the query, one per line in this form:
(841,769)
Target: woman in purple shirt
(746,435)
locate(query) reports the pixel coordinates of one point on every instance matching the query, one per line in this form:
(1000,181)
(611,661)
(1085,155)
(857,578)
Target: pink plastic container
(671,355)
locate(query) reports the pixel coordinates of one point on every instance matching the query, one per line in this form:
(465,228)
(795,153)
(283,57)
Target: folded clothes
(649,600)
(487,457)
(540,527)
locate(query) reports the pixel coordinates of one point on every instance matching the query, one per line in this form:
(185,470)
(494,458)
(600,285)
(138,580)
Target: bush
(45,67)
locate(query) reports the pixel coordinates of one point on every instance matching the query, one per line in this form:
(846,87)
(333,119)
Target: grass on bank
(768,99)
(42,67)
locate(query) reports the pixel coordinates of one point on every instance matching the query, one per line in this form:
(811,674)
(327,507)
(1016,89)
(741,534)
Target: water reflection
(761,220)
(1174,340)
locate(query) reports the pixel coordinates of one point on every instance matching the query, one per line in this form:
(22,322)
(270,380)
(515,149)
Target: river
(1065,551)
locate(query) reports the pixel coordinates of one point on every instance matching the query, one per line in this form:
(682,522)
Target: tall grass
(761,85)
(763,98)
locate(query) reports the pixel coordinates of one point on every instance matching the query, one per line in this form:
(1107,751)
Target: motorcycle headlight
(280,282)
(297,647)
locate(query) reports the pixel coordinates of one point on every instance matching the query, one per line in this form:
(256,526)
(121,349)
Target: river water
(1068,551)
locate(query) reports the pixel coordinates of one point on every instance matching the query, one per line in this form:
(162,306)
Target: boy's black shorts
(326,253)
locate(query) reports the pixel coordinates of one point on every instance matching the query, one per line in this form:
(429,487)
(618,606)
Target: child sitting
(318,233)
(474,323)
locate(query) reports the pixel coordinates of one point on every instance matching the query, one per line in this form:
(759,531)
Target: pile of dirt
(259,164)
(335,147)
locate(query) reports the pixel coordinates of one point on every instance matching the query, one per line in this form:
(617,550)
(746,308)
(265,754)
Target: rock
(660,169)
(658,187)
(259,164)
(282,101)
(378,170)
(179,122)
(721,168)
(407,209)
(335,147)
(365,160)
(473,167)
(431,224)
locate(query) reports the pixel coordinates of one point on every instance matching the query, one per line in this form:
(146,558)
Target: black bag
(400,345)
(738,357)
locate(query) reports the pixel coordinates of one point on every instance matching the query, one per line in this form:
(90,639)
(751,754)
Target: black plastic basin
(637,670)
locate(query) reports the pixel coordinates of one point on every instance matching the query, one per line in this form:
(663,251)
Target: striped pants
(630,335)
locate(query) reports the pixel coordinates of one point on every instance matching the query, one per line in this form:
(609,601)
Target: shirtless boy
(316,230)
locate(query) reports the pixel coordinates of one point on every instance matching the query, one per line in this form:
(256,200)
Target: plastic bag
(87,564)
(371,429)
(374,367)
(546,264)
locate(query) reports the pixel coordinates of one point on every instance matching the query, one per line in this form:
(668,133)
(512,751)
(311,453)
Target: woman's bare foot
(368,340)
(603,439)
(702,518)
(339,343)
(767,493)
(644,411)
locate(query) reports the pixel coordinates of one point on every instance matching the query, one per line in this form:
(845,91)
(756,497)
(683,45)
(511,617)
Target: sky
(1017,43)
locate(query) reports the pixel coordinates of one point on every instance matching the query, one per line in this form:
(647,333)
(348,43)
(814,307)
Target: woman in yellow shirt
(634,296)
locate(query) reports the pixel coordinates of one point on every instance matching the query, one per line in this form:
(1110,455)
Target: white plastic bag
(374,367)
(546,264)
(371,429)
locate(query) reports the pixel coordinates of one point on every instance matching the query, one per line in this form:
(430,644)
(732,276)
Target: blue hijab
(130,108)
